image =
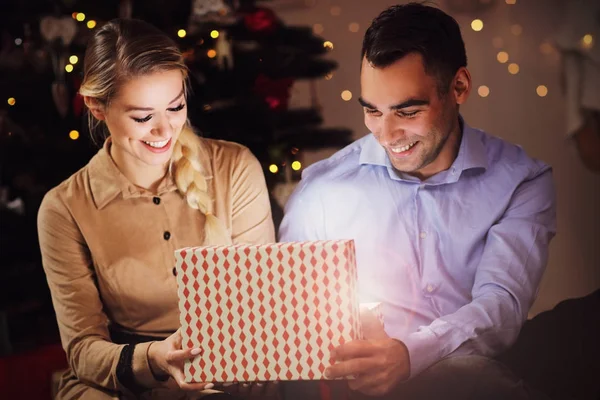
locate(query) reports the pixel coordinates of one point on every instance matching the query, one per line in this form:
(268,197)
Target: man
(451,225)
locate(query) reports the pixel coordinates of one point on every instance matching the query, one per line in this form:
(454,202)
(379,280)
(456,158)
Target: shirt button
(156,200)
(429,288)
(174,271)
(167,235)
(423,235)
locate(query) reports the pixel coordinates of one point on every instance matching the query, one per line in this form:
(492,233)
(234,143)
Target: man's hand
(378,362)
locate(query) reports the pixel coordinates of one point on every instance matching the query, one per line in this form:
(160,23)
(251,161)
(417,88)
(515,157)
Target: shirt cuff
(423,349)
(142,372)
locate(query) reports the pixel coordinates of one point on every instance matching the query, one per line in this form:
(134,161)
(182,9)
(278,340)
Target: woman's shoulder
(223,152)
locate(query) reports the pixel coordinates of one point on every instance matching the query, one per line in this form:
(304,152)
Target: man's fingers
(371,326)
(355,366)
(353,349)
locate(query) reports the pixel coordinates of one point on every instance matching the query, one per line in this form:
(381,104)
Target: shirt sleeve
(251,208)
(303,218)
(506,282)
(79,311)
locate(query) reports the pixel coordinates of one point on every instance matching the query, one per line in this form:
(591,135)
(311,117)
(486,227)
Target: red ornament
(275,92)
(261,20)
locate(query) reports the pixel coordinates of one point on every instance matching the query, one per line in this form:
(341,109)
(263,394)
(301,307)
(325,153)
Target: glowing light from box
(541,90)
(91,24)
(12,101)
(181,33)
(296,166)
(18,41)
(477,25)
(69,68)
(354,27)
(587,41)
(211,53)
(483,91)
(329,76)
(214,34)
(273,168)
(73,59)
(511,2)
(502,57)
(80,17)
(513,68)
(74,135)
(347,95)
(328,45)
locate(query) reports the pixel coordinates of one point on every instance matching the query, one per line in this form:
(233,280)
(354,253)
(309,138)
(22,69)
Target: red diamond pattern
(304,297)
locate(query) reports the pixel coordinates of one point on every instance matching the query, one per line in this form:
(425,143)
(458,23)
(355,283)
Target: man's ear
(95,107)
(461,85)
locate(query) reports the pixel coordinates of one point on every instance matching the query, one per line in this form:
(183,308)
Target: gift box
(266,312)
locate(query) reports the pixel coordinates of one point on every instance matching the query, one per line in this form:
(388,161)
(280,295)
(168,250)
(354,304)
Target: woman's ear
(95,107)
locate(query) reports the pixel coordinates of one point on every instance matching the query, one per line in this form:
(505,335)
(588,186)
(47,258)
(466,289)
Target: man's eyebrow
(399,106)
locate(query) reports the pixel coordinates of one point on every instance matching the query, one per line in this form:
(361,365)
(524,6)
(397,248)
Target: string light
(483,91)
(12,101)
(69,68)
(511,2)
(498,42)
(477,25)
(211,53)
(74,135)
(214,34)
(516,29)
(336,11)
(502,57)
(296,166)
(73,59)
(587,41)
(273,168)
(541,91)
(546,48)
(18,41)
(318,29)
(181,33)
(74,15)
(346,95)
(91,24)
(328,45)
(80,17)
(513,68)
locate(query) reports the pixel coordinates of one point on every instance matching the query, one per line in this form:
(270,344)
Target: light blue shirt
(456,259)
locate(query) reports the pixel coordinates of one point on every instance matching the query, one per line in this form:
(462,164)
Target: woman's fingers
(175,356)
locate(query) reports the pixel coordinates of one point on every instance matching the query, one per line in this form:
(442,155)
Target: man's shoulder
(338,166)
(505,156)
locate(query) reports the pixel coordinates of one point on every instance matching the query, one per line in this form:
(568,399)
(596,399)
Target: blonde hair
(123,49)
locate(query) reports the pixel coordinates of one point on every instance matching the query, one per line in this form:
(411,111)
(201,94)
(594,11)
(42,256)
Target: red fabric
(28,375)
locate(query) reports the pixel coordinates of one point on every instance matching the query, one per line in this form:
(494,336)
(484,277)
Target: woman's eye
(142,120)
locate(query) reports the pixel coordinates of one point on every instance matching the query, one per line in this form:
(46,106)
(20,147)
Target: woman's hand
(166,359)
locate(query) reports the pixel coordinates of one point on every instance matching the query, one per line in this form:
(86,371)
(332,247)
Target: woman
(108,233)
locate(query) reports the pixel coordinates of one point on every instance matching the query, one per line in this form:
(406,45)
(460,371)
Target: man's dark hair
(417,28)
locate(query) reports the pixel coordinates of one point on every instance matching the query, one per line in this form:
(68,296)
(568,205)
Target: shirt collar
(471,153)
(107,182)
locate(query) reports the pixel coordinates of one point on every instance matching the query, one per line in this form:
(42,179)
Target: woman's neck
(142,175)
